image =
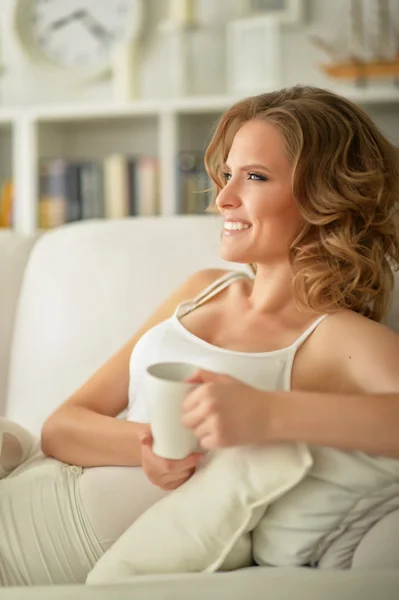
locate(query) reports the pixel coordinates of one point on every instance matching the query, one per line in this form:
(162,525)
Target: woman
(308,188)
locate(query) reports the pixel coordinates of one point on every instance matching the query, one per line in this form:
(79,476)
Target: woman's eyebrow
(249,166)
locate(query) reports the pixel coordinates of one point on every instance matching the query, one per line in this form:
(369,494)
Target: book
(116,188)
(132,185)
(6,203)
(91,190)
(147,186)
(52,199)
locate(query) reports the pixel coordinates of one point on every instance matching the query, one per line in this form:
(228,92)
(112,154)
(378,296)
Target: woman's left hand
(223,411)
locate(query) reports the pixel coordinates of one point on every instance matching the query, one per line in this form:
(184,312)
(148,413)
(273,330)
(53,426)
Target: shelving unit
(163,129)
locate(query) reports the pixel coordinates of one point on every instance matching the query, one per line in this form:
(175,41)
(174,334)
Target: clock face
(77,33)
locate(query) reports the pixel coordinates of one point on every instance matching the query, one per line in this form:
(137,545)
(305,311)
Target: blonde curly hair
(346,184)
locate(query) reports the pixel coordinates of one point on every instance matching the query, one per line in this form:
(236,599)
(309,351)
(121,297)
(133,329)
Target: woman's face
(261,218)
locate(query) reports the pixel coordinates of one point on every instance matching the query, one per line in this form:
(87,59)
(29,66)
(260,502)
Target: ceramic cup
(165,390)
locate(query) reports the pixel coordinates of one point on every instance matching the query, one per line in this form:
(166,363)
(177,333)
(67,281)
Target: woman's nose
(227,198)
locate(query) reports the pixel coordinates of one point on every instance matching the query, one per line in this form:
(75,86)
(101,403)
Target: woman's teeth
(234,226)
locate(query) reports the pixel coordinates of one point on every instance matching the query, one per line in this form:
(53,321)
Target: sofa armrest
(14,254)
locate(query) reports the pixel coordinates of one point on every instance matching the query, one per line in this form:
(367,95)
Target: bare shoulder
(364,353)
(354,329)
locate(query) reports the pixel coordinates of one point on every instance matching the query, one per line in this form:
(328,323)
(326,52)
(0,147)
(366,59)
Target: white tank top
(170,341)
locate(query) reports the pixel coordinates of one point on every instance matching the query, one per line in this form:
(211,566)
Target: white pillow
(341,489)
(205,524)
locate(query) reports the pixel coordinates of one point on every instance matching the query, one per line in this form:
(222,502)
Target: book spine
(91,192)
(148,197)
(72,192)
(116,192)
(52,198)
(132,186)
(6,203)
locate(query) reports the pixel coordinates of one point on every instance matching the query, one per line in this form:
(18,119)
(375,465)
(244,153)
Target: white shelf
(198,104)
(130,109)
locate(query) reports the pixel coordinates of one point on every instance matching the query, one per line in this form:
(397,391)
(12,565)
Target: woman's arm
(358,406)
(83,430)
(363,422)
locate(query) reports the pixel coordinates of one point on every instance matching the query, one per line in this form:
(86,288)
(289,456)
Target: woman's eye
(227,176)
(256,177)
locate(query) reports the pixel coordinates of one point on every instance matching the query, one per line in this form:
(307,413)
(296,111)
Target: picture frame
(288,12)
(253,52)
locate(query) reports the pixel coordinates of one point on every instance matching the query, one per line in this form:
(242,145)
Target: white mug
(165,390)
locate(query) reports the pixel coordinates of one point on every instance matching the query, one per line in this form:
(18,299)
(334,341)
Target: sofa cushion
(206,524)
(87,288)
(341,497)
(378,548)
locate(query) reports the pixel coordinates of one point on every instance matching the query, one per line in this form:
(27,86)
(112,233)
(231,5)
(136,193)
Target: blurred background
(106,106)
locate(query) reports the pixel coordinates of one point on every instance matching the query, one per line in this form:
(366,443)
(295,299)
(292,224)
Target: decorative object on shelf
(253,55)
(175,31)
(183,12)
(371,49)
(288,12)
(77,39)
(125,64)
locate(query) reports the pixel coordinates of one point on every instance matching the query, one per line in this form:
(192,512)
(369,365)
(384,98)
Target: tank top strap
(210,291)
(304,336)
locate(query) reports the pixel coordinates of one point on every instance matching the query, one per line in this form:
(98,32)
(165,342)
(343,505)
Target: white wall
(26,84)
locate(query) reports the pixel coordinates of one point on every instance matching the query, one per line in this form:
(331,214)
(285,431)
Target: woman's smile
(235,227)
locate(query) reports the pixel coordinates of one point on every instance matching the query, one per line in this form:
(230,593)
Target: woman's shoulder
(356,339)
(350,353)
(348,323)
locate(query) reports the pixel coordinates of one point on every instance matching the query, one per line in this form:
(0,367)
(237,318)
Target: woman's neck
(272,289)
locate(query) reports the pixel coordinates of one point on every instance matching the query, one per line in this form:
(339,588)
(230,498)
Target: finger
(193,416)
(166,465)
(207,437)
(204,376)
(145,438)
(171,477)
(192,399)
(208,442)
(178,478)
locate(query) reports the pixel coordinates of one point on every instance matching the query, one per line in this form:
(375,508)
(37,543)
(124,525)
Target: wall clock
(76,37)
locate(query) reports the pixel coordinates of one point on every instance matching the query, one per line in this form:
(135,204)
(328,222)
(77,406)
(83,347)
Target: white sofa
(69,299)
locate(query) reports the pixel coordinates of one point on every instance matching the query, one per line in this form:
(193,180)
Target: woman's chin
(230,256)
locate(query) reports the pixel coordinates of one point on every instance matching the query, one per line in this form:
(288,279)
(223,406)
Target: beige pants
(56,520)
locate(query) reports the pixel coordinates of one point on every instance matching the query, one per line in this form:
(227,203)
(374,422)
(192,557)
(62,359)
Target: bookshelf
(162,128)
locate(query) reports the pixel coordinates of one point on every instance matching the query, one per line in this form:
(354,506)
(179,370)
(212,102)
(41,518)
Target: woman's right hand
(165,473)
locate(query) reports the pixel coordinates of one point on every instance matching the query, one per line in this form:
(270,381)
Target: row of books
(116,187)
